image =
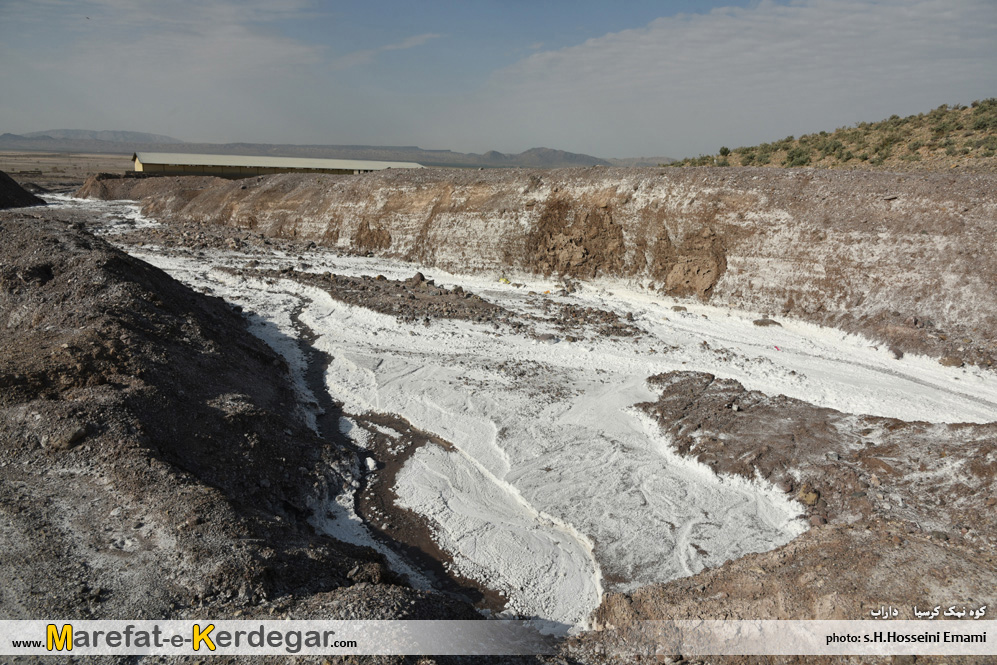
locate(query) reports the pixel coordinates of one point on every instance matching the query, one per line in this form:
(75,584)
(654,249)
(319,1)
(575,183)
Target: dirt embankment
(840,466)
(901,515)
(151,457)
(908,259)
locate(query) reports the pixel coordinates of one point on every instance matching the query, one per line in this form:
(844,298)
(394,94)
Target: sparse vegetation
(947,136)
(797,156)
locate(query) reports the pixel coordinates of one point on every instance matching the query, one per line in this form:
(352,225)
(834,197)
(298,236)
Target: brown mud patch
(841,467)
(689,268)
(572,241)
(416,299)
(576,322)
(834,572)
(367,239)
(420,300)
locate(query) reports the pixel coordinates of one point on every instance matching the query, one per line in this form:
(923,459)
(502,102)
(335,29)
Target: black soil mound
(13,195)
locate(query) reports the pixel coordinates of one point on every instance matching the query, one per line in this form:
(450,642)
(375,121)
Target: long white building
(244,166)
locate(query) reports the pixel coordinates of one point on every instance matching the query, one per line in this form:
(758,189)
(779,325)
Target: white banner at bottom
(802,638)
(498,638)
(247,638)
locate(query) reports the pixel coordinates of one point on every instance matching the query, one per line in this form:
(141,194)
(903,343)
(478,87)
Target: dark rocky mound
(151,462)
(13,195)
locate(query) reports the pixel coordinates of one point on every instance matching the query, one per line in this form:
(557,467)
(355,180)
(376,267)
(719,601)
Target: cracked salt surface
(555,496)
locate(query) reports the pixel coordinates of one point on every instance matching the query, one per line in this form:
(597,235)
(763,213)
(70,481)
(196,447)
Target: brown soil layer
(842,467)
(421,300)
(837,571)
(905,259)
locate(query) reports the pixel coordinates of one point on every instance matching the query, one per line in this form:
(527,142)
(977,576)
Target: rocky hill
(945,138)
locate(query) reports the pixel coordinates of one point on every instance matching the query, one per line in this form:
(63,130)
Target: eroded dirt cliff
(907,259)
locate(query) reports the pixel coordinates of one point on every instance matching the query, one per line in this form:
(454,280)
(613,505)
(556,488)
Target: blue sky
(613,79)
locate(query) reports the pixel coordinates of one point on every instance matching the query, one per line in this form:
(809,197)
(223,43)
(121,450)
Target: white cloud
(368,55)
(185,66)
(196,43)
(687,84)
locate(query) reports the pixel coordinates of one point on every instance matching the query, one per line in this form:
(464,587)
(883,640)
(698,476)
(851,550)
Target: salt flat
(557,489)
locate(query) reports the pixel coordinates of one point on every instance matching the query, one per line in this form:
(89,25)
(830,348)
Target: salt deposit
(556,490)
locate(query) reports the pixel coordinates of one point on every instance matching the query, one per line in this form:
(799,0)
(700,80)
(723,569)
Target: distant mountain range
(105,135)
(90,141)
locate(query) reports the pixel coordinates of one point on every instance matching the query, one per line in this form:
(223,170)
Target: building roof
(250,161)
